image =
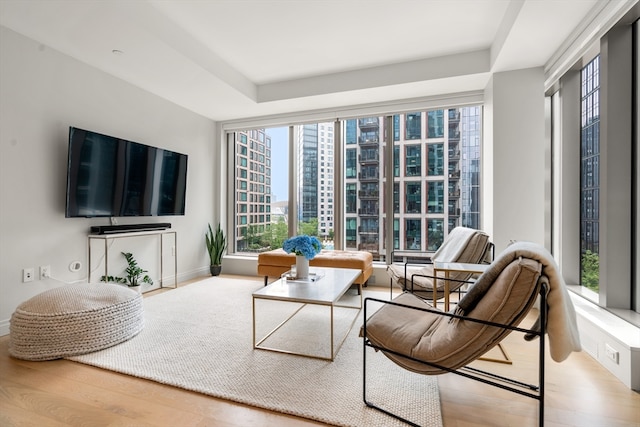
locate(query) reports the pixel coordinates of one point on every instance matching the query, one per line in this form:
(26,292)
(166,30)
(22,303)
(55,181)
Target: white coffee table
(327,291)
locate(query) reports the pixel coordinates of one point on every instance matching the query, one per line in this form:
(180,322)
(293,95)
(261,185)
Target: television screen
(112,177)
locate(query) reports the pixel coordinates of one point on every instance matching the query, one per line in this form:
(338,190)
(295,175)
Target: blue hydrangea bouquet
(307,246)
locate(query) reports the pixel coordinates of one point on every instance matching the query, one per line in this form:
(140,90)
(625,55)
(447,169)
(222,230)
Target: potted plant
(305,248)
(135,276)
(216,244)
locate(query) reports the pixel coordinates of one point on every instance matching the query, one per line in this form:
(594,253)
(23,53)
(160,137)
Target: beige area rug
(199,337)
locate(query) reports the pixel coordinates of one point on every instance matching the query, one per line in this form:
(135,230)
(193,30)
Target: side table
(446,268)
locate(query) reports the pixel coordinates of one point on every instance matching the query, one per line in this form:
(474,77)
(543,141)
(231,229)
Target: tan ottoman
(274,263)
(73,320)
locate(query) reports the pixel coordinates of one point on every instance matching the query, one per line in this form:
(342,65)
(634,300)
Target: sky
(279,162)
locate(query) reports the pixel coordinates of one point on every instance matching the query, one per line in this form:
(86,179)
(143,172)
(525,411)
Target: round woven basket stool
(73,320)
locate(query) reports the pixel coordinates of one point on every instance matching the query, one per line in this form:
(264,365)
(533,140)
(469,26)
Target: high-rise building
(315,174)
(436,179)
(253,186)
(436,173)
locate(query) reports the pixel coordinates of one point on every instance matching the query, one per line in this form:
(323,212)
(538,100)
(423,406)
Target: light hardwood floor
(580,392)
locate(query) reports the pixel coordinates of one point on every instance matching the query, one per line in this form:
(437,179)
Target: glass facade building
(436,179)
(253,187)
(315,175)
(436,173)
(590,174)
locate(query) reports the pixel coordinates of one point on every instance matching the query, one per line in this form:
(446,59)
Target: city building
(253,181)
(436,178)
(315,175)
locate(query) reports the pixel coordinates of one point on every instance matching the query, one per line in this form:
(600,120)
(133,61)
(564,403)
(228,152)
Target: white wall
(42,93)
(514,118)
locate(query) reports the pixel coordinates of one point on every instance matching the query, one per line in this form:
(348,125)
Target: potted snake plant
(216,244)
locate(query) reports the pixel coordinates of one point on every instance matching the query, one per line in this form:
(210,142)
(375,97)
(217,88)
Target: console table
(160,234)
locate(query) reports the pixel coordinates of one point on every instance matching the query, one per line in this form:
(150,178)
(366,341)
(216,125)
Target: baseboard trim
(4,327)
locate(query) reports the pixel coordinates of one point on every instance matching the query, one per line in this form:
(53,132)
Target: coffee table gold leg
(332,355)
(253,308)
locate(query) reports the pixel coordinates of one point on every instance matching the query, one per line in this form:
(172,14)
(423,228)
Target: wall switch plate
(27,274)
(612,353)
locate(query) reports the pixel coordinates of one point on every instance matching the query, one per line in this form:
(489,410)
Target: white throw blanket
(561,325)
(454,244)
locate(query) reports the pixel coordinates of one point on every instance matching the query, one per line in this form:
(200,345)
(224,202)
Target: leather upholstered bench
(276,262)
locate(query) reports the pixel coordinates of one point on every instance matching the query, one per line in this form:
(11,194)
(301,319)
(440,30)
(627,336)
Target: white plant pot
(302,267)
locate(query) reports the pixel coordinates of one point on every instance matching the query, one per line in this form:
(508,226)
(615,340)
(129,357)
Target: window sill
(614,325)
(591,298)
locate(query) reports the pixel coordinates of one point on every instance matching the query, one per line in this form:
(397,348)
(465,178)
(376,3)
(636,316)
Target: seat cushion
(276,262)
(73,320)
(432,337)
(420,283)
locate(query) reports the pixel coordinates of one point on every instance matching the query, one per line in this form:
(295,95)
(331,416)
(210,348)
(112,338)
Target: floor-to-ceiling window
(435,161)
(594,144)
(590,174)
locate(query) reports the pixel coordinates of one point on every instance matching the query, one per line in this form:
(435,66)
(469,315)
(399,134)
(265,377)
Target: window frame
(457,101)
(618,208)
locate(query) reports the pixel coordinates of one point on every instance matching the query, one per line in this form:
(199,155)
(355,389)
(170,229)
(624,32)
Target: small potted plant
(135,276)
(216,244)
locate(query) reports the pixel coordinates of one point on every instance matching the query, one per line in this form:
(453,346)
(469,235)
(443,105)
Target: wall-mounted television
(113,177)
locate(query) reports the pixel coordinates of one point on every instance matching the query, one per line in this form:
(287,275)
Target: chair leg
(265,280)
(372,405)
(364,379)
(506,359)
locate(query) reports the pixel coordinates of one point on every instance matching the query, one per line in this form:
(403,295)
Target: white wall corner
(515,123)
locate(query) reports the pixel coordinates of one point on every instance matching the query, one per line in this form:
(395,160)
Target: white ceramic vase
(302,267)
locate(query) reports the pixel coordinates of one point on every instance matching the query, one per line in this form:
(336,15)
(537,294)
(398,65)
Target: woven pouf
(75,319)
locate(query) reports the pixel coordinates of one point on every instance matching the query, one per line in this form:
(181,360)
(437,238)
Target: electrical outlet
(612,353)
(75,266)
(27,274)
(45,272)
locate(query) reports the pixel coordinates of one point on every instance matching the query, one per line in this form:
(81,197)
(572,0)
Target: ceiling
(234,59)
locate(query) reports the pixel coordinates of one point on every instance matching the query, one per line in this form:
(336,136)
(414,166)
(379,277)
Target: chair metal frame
(534,391)
(428,257)
(418,292)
